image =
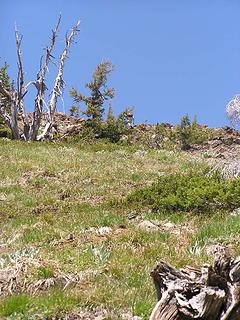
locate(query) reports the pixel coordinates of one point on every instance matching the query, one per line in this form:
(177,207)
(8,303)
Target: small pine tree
(190,133)
(184,132)
(4,77)
(6,83)
(110,115)
(74,111)
(99,93)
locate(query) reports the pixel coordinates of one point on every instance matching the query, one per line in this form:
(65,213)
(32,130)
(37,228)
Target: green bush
(189,133)
(5,133)
(191,192)
(113,131)
(184,135)
(165,137)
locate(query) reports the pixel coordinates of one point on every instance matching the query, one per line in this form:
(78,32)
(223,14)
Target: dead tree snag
(207,293)
(15,97)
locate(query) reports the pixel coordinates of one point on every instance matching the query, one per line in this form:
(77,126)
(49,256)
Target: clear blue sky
(172,57)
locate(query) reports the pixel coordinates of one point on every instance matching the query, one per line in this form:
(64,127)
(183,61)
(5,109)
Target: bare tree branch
(48,56)
(58,83)
(40,85)
(12,99)
(21,89)
(233,110)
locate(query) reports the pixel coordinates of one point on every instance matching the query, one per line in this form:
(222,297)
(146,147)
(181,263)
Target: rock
(102,231)
(169,225)
(124,138)
(132,215)
(3,197)
(147,225)
(100,318)
(129,316)
(235,212)
(214,143)
(100,314)
(211,248)
(140,153)
(237,140)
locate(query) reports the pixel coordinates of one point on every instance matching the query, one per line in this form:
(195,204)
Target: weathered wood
(39,84)
(12,101)
(21,90)
(58,84)
(207,293)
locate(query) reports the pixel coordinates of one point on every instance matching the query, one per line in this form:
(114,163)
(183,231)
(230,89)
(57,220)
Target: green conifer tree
(6,83)
(99,93)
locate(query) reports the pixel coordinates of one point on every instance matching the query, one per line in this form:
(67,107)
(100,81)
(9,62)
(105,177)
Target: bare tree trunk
(21,89)
(14,122)
(14,98)
(41,87)
(209,293)
(58,85)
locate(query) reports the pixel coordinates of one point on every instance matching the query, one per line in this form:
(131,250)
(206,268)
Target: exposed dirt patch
(94,200)
(97,314)
(43,208)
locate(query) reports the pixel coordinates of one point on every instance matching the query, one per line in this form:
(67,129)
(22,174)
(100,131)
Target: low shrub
(113,131)
(165,136)
(189,133)
(107,130)
(191,192)
(5,133)
(184,135)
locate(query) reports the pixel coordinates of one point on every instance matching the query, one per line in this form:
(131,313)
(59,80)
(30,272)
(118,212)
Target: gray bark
(58,85)
(15,98)
(41,87)
(207,293)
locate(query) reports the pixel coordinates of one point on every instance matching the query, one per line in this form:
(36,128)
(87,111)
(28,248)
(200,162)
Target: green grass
(52,303)
(218,229)
(14,305)
(56,197)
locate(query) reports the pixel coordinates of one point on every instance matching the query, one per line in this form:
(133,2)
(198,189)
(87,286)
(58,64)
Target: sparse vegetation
(189,133)
(67,222)
(5,132)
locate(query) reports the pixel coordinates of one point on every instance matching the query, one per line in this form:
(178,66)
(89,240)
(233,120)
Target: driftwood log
(207,293)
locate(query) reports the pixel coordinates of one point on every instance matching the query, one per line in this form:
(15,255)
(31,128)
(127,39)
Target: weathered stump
(207,293)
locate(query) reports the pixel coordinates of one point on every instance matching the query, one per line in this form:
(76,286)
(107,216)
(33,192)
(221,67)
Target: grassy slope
(53,199)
